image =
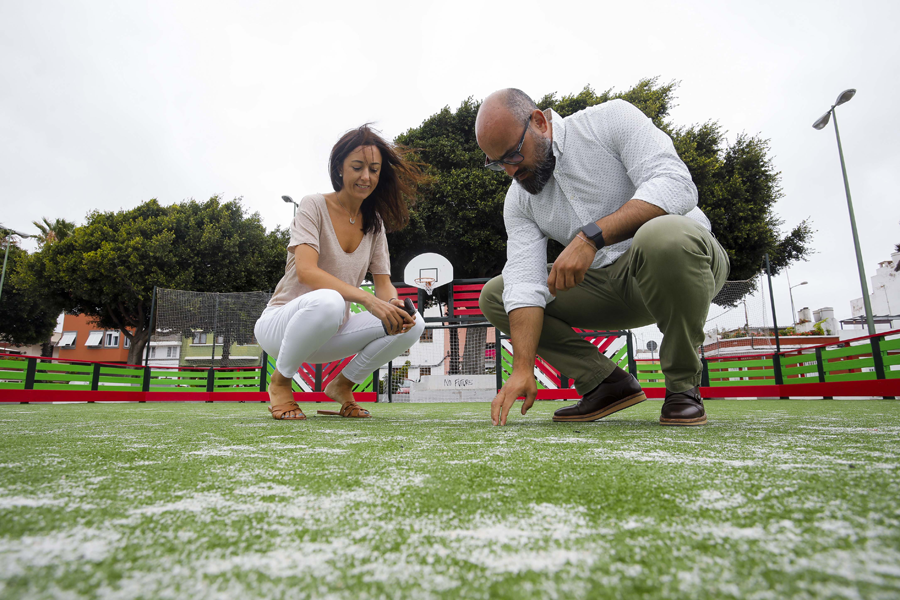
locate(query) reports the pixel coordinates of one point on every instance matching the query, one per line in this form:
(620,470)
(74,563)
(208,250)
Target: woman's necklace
(352,218)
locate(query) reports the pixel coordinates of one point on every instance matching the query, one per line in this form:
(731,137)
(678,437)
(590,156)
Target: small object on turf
(408,306)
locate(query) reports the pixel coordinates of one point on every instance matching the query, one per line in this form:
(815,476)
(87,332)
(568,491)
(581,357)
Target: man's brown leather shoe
(603,400)
(683,408)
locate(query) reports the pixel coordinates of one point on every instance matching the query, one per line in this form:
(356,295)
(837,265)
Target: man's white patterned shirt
(605,156)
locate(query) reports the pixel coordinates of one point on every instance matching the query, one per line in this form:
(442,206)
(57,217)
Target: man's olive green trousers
(669,277)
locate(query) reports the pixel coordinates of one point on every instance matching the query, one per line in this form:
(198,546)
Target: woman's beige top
(312,226)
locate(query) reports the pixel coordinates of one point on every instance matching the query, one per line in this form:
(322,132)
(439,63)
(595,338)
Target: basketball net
(427,284)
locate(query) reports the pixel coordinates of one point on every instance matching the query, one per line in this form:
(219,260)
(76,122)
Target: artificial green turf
(772,499)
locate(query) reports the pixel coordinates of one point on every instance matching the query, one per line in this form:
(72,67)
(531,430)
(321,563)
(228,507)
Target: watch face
(594,233)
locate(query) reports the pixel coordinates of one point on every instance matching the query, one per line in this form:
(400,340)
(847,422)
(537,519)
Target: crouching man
(608,185)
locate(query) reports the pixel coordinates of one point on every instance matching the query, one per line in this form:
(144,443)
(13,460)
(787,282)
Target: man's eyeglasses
(512,158)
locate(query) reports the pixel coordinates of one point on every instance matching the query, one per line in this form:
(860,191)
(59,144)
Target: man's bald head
(501,109)
(514,134)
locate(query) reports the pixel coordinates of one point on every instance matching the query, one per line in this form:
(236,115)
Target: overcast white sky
(107,104)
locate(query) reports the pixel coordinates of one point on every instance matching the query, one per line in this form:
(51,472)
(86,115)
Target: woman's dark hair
(389,201)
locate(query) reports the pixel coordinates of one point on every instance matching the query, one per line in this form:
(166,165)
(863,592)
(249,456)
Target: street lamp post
(6,233)
(845,96)
(290,200)
(791,292)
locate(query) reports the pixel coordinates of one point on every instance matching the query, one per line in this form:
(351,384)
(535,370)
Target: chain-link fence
(203,329)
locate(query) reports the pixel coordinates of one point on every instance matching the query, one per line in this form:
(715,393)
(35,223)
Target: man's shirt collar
(559,130)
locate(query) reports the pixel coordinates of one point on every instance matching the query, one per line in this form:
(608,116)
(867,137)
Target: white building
(165,350)
(884,296)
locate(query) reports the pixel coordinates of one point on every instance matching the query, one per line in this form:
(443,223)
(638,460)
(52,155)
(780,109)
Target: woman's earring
(341,175)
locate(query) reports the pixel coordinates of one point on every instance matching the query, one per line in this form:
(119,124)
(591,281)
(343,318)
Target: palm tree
(54,231)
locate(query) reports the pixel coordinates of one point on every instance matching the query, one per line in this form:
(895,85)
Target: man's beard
(542,171)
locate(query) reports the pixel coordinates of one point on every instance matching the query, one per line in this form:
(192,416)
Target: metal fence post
(390,380)
(498,358)
(776,364)
(212,359)
(450,308)
(152,327)
(877,358)
(264,372)
(210,379)
(704,377)
(318,384)
(145,382)
(95,377)
(30,372)
(776,359)
(820,365)
(632,363)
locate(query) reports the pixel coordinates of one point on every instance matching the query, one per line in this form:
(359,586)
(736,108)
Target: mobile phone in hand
(408,306)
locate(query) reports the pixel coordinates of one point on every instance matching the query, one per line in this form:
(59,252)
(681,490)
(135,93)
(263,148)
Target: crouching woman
(336,238)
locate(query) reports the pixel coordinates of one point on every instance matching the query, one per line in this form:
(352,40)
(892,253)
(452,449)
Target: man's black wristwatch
(594,233)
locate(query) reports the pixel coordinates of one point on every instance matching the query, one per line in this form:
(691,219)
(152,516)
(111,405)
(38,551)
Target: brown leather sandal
(280,411)
(350,410)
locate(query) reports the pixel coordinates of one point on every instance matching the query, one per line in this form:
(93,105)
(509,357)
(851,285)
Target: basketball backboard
(428,270)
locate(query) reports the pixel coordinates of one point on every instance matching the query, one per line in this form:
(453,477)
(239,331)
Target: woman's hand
(395,318)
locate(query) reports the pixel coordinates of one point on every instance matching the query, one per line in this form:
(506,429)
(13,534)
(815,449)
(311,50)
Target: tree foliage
(738,187)
(26,316)
(459,213)
(107,268)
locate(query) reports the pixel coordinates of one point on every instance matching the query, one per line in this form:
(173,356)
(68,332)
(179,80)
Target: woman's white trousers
(309,329)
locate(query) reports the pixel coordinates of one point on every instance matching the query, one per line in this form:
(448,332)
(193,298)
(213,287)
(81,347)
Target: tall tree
(107,269)
(26,316)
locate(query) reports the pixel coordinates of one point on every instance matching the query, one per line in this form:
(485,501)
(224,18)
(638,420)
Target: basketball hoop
(428,272)
(426,283)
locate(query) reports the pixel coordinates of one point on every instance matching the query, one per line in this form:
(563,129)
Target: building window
(427,336)
(199,338)
(68,339)
(424,371)
(127,343)
(112,339)
(171,351)
(95,339)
